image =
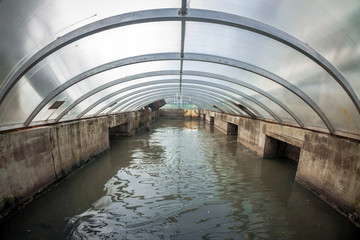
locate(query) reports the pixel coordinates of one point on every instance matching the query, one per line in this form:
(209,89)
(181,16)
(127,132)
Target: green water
(181,180)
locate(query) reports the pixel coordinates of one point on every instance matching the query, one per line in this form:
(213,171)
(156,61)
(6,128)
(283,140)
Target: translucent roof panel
(305,20)
(301,109)
(111,104)
(195,92)
(242,91)
(145,99)
(226,100)
(35,23)
(113,76)
(209,103)
(106,93)
(127,96)
(279,59)
(238,98)
(98,101)
(87,53)
(295,62)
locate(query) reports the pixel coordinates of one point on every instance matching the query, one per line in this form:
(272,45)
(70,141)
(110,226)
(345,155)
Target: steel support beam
(219,95)
(144,103)
(162,82)
(132,88)
(264,73)
(158,15)
(192,57)
(199,104)
(198,92)
(97,70)
(183,12)
(148,99)
(140,101)
(249,86)
(195,73)
(251,99)
(124,98)
(118,102)
(138,106)
(82,98)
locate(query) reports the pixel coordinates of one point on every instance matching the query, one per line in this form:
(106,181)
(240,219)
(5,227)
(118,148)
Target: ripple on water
(191,184)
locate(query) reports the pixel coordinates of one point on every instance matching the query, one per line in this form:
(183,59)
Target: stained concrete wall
(26,163)
(328,165)
(33,159)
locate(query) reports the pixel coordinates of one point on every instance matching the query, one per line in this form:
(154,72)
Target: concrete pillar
(147,120)
(34,158)
(329,165)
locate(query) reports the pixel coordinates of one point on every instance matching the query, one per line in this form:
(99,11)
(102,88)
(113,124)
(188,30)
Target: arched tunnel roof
(293,62)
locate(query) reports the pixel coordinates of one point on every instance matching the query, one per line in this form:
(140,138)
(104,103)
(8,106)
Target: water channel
(181,180)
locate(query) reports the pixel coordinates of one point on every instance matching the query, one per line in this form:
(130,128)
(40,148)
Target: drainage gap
(212,120)
(275,148)
(232,129)
(119,131)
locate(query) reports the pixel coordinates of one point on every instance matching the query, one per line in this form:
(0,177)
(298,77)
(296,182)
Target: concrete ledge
(329,165)
(33,159)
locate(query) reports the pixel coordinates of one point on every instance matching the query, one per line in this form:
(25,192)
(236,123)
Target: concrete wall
(328,165)
(32,159)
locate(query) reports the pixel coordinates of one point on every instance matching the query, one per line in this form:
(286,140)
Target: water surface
(181,180)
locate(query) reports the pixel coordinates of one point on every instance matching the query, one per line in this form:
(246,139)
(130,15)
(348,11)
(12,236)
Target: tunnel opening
(275,148)
(212,120)
(232,129)
(119,131)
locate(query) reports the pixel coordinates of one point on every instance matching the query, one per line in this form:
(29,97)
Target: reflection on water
(185,180)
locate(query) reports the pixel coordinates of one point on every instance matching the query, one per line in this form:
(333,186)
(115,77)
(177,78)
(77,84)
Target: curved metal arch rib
(266,74)
(220,96)
(199,104)
(249,86)
(194,82)
(146,102)
(82,98)
(191,57)
(131,88)
(152,99)
(135,103)
(157,15)
(174,56)
(120,102)
(139,100)
(199,91)
(76,102)
(125,98)
(195,73)
(97,70)
(238,93)
(122,99)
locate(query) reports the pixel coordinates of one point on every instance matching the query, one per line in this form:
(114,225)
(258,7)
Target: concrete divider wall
(34,158)
(26,164)
(328,165)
